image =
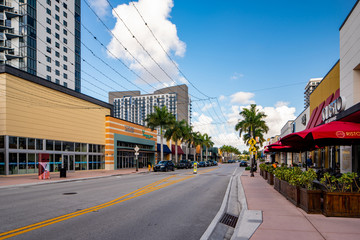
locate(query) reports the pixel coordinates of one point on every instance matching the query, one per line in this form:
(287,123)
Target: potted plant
(279,175)
(293,177)
(270,174)
(262,167)
(342,195)
(310,197)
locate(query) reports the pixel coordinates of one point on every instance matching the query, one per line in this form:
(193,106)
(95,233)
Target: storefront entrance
(68,162)
(127,159)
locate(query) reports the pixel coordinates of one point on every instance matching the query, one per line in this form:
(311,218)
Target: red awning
(333,133)
(179,150)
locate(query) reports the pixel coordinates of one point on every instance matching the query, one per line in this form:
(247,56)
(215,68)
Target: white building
(309,88)
(42,38)
(134,107)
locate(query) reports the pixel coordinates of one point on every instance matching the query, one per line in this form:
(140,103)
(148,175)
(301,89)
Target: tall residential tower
(134,107)
(42,37)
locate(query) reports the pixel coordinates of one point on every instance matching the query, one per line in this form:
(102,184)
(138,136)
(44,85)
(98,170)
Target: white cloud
(207,107)
(222,98)
(281,104)
(236,76)
(157,14)
(101,7)
(242,98)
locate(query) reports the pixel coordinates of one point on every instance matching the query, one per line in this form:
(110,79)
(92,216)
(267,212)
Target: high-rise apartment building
(310,87)
(134,107)
(42,37)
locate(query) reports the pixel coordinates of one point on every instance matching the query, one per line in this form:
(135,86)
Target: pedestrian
(309,161)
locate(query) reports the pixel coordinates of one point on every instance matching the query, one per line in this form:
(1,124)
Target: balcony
(5,5)
(5,24)
(5,45)
(12,54)
(11,33)
(11,13)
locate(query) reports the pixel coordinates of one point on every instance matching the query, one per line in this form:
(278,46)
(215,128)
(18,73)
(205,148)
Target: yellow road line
(139,192)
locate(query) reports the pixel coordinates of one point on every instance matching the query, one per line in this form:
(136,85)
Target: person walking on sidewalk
(309,161)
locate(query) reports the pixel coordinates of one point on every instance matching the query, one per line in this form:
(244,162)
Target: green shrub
(247,168)
(346,183)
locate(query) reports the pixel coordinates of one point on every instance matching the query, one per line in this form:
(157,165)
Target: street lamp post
(136,157)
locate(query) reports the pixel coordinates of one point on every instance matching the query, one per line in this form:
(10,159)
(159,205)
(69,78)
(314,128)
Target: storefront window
(57,145)
(49,145)
(32,168)
(31,143)
(68,146)
(13,166)
(84,147)
(90,148)
(2,163)
(39,144)
(90,162)
(51,162)
(22,143)
(22,163)
(57,162)
(77,147)
(83,165)
(2,142)
(13,142)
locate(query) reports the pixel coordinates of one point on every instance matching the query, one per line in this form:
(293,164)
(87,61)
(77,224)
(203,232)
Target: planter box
(338,204)
(283,187)
(310,200)
(270,178)
(293,194)
(277,184)
(265,175)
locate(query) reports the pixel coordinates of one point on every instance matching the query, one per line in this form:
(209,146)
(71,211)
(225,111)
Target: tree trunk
(206,153)
(176,152)
(194,153)
(201,153)
(187,152)
(161,146)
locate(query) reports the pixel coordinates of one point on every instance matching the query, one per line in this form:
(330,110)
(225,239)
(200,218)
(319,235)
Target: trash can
(62,172)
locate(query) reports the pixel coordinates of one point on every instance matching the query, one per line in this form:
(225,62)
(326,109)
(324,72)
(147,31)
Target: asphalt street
(172,205)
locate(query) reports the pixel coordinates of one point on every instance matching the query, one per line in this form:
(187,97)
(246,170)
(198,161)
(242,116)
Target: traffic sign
(252,141)
(136,148)
(136,154)
(252,149)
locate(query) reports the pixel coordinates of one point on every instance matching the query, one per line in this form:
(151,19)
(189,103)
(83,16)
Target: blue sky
(240,52)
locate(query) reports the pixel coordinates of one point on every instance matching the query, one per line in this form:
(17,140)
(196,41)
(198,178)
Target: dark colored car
(209,163)
(243,164)
(202,164)
(184,164)
(213,162)
(164,166)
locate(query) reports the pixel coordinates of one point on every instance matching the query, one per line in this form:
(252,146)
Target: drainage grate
(229,220)
(69,193)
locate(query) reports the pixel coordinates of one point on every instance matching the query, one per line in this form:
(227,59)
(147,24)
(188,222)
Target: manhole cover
(69,193)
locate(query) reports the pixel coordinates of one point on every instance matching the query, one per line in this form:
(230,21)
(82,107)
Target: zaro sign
(333,108)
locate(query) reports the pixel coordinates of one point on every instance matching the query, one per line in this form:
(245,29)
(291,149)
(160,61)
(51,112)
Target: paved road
(174,205)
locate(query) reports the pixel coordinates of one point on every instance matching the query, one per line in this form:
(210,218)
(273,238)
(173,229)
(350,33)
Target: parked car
(215,163)
(243,164)
(209,163)
(202,164)
(164,166)
(184,164)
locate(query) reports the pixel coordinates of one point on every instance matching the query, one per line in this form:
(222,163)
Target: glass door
(68,162)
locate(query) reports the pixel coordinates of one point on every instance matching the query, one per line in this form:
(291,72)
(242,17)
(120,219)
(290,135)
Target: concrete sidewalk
(29,179)
(283,220)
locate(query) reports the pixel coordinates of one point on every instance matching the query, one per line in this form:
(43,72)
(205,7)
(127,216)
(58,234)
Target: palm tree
(208,143)
(253,125)
(162,119)
(197,140)
(188,137)
(176,132)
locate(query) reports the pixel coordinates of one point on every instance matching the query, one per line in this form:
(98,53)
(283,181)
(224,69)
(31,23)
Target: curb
(68,180)
(249,220)
(221,211)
